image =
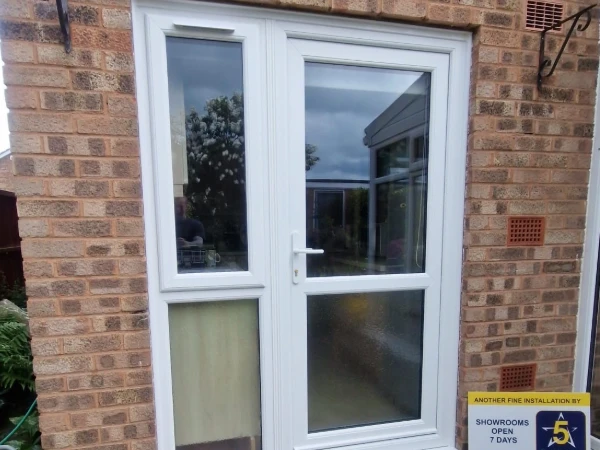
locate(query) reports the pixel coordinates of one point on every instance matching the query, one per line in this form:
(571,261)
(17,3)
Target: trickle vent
(525,231)
(518,378)
(541,15)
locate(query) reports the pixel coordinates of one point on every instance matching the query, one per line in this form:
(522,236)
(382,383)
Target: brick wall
(73,125)
(77,178)
(6,176)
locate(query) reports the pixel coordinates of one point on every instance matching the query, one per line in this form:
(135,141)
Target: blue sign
(556,430)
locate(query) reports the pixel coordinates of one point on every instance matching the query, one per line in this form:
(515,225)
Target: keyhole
(296,272)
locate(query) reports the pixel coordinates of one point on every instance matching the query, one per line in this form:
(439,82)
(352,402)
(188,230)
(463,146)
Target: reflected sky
(341,101)
(208,69)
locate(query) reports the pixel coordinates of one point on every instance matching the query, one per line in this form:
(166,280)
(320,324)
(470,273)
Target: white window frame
(248,33)
(589,269)
(153,18)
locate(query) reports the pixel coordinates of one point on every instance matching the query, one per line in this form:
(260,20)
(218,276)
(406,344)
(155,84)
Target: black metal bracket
(65,27)
(547,62)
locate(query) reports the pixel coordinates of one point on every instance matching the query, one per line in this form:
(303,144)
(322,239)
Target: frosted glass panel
(365,353)
(216,375)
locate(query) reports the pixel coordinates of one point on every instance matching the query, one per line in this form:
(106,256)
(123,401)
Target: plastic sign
(529,421)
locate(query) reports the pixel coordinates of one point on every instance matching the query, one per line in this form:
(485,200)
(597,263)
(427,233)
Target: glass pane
(366,148)
(216,375)
(207,147)
(365,353)
(594,362)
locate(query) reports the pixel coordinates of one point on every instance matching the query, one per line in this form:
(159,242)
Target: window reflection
(207,146)
(366,169)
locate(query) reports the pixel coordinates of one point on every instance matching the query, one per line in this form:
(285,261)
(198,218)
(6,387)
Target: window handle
(309,251)
(182,23)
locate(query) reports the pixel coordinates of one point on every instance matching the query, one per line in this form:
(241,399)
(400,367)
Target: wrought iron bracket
(65,26)
(545,62)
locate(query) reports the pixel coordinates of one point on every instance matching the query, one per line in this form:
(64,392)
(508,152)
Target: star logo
(561,430)
(561,433)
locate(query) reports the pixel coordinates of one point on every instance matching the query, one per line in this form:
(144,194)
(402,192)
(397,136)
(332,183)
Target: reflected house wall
(178,138)
(316,213)
(406,118)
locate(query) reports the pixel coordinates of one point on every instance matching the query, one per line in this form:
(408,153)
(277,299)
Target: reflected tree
(310,158)
(216,188)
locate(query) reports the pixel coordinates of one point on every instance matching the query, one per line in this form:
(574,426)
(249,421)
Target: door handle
(309,251)
(297,266)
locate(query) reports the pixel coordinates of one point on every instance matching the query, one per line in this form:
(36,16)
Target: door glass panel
(216,375)
(365,354)
(366,169)
(207,147)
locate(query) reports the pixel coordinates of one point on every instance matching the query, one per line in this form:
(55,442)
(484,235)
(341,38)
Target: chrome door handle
(309,251)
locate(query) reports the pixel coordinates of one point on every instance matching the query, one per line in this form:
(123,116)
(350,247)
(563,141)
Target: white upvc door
(354,105)
(304,188)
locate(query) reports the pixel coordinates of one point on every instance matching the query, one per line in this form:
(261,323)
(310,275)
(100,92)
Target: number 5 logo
(556,430)
(560,429)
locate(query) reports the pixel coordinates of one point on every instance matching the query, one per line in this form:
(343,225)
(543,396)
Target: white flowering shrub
(216,188)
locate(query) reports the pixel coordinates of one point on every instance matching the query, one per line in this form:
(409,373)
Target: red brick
(51,249)
(34,76)
(99,418)
(111,126)
(72,145)
(116,18)
(56,55)
(360,7)
(101,39)
(61,365)
(71,101)
(17,52)
(39,123)
(17,98)
(66,402)
(93,344)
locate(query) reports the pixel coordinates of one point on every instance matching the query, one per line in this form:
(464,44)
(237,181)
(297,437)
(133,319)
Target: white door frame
(165,287)
(589,268)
